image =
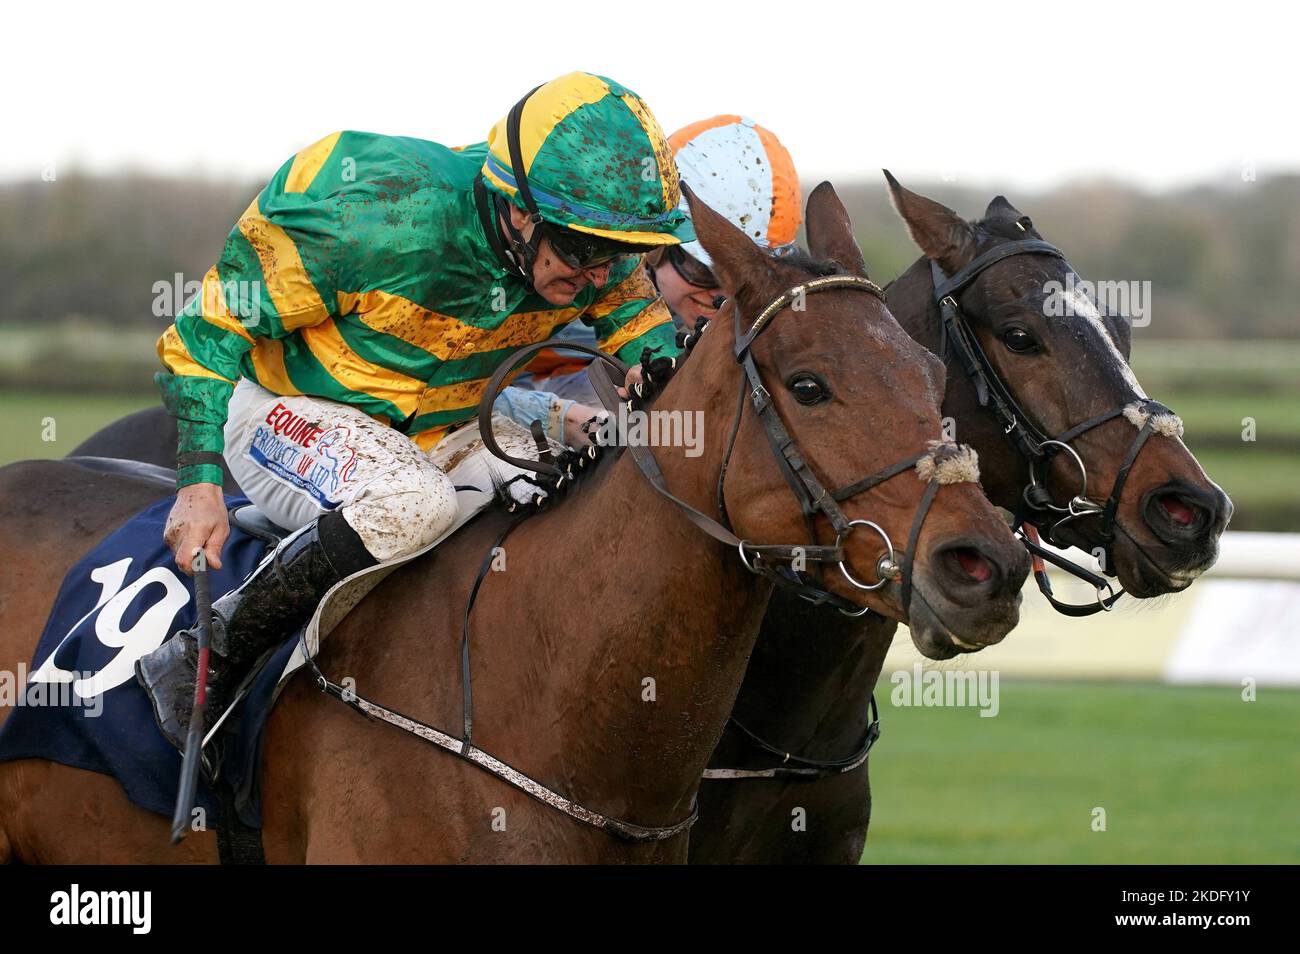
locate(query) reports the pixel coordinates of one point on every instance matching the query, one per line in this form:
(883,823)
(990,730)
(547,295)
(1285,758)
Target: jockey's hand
(198,519)
(577,416)
(633,377)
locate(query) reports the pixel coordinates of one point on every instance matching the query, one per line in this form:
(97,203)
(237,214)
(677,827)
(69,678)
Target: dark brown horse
(808,696)
(607,680)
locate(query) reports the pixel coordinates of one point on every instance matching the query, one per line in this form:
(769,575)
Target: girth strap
(530,786)
(797,767)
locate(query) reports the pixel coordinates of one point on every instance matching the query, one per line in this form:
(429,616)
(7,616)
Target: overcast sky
(1023,93)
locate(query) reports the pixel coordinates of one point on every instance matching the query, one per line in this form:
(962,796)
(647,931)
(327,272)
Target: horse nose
(1179,513)
(972,572)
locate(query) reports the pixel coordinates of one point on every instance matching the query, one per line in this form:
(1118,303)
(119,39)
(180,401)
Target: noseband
(1039,512)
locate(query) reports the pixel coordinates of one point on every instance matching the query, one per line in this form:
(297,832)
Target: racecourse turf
(1185,775)
(50,424)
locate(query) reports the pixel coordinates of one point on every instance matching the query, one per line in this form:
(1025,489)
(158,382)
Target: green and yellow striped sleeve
(275,277)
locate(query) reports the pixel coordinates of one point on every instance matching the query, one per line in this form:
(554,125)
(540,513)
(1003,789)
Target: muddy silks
(362,274)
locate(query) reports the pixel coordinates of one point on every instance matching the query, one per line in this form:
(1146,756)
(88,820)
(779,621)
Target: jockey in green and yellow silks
(360,305)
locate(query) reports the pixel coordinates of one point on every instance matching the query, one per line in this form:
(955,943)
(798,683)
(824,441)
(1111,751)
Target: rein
(1040,513)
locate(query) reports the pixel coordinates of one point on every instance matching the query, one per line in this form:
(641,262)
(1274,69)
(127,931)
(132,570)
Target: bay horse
(601,669)
(808,697)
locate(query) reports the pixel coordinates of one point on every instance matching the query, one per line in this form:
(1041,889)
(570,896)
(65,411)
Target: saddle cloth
(80,705)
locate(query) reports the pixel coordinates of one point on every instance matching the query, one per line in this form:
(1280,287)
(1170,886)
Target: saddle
(253,522)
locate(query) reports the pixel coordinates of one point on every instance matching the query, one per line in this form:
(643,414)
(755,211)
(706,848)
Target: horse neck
(640,623)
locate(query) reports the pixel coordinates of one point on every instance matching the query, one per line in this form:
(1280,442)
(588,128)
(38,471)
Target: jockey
(740,170)
(359,307)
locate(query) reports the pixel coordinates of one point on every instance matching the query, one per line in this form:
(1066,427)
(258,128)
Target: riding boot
(280,595)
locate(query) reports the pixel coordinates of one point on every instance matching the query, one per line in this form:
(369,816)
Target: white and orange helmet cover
(741,171)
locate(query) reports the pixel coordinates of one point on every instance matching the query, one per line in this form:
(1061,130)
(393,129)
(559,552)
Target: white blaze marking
(1079,306)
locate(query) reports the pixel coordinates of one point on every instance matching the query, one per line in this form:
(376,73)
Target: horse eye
(807,389)
(1018,340)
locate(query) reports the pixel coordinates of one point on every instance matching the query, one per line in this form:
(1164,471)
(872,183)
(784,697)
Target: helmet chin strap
(516,253)
(521,251)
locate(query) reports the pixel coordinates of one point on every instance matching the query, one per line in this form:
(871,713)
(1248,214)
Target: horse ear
(1000,208)
(830,233)
(1003,211)
(943,235)
(736,261)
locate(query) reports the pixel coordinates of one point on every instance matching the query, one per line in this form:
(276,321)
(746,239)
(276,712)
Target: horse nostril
(1178,509)
(973,564)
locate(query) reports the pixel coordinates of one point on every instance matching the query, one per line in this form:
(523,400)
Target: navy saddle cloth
(79,703)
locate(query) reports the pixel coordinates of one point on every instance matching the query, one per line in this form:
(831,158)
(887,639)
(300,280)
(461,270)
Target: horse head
(1062,366)
(840,393)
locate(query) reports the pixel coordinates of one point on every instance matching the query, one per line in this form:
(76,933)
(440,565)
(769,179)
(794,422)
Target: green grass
(1277,416)
(76,417)
(1185,775)
(1218,365)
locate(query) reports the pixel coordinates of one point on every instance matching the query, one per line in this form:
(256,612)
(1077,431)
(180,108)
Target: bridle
(813,497)
(779,563)
(1038,507)
(775,562)
(1039,513)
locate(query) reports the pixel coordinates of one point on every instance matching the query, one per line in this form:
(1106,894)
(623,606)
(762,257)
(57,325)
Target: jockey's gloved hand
(655,372)
(522,491)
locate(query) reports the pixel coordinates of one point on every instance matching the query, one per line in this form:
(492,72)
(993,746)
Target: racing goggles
(582,251)
(690,269)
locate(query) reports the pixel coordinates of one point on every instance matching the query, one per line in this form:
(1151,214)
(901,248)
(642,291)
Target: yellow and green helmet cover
(596,161)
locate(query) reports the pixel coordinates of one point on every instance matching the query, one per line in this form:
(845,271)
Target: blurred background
(130,162)
(83,259)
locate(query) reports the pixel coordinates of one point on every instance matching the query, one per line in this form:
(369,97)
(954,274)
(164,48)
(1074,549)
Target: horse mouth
(1145,577)
(931,636)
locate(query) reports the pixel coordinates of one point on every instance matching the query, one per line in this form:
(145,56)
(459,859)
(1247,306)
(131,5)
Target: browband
(784,300)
